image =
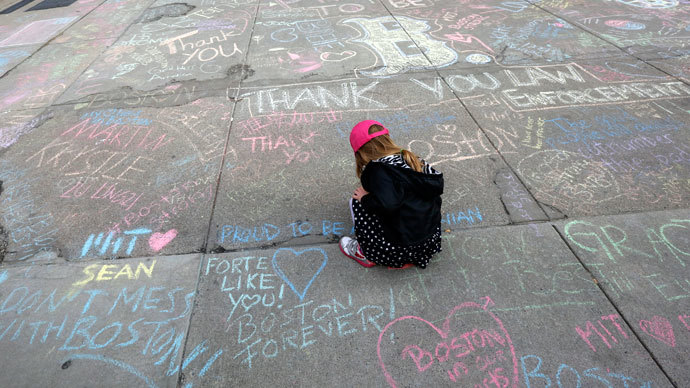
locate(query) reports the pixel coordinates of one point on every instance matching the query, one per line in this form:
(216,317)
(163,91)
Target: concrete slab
(84,94)
(676,67)
(18,123)
(587,137)
(108,20)
(155,54)
(504,32)
(630,24)
(37,32)
(39,80)
(641,263)
(497,305)
(120,323)
(289,173)
(12,56)
(315,9)
(115,182)
(24,12)
(27,22)
(299,43)
(234,18)
(536,111)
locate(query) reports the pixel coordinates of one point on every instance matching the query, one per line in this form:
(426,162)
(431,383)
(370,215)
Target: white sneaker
(350,248)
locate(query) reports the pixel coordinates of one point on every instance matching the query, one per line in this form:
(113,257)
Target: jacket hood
(425,185)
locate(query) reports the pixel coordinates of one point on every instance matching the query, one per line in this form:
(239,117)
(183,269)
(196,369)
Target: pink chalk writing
(118,135)
(282,120)
(605,334)
(108,191)
(181,198)
(481,354)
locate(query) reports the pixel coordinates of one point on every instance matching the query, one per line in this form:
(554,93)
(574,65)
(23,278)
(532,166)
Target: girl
(397,210)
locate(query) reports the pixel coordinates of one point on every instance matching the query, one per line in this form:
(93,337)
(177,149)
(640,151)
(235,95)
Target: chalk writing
(610,240)
(248,282)
(157,241)
(482,355)
(113,271)
(534,375)
(605,335)
(107,190)
(31,227)
(350,95)
(469,217)
(302,326)
(237,234)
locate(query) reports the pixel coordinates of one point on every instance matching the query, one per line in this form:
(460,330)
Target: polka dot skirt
(376,249)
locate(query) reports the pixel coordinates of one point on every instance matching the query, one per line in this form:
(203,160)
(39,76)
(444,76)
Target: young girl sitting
(397,210)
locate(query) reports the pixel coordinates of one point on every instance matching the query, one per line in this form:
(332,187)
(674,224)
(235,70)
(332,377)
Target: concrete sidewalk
(174,179)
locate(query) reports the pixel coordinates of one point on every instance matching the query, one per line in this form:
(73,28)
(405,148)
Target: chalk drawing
(158,241)
(36,32)
(493,348)
(625,25)
(119,364)
(289,253)
(337,57)
(398,45)
(659,328)
(650,3)
(478,59)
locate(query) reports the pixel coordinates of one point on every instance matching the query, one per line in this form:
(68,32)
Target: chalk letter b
(417,358)
(534,372)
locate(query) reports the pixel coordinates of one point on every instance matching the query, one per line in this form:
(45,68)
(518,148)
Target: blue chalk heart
(3,276)
(287,281)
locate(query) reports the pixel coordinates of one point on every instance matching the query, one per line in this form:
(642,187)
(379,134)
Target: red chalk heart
(158,241)
(659,328)
(472,348)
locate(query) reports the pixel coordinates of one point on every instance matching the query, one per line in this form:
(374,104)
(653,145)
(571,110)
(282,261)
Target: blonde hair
(379,147)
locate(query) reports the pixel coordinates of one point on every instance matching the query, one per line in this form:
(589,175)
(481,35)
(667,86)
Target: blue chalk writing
(210,362)
(603,127)
(533,374)
(236,234)
(469,217)
(116,117)
(94,241)
(328,228)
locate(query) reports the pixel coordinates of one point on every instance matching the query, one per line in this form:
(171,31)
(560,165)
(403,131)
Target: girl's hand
(359,193)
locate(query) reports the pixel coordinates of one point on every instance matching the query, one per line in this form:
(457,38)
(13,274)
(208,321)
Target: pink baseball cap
(360,133)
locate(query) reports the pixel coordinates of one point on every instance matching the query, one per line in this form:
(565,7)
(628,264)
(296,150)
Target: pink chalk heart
(158,241)
(472,348)
(659,328)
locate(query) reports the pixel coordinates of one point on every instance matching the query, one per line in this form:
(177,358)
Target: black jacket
(407,202)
